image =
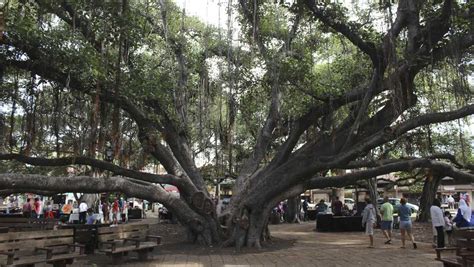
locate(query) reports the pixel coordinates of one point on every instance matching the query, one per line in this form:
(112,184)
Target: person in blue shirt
(91,218)
(404,214)
(321,207)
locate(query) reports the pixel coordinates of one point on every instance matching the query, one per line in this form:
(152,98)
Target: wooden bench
(25,224)
(85,234)
(463,253)
(28,248)
(117,241)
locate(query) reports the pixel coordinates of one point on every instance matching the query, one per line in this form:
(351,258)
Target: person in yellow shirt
(387,220)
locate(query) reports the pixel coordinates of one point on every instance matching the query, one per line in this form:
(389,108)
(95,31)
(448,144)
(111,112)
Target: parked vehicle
(349,202)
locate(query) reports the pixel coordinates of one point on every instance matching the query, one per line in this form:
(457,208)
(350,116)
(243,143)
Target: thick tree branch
(391,134)
(86,184)
(66,12)
(408,165)
(103,165)
(329,18)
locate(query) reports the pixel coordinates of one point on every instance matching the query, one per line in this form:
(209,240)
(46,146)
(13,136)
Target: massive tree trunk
(294,206)
(374,195)
(428,195)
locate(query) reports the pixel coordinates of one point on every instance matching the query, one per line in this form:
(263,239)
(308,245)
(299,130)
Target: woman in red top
(115,211)
(37,207)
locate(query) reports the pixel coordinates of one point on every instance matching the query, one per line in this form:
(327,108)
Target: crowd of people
(442,222)
(106,212)
(337,208)
(369,220)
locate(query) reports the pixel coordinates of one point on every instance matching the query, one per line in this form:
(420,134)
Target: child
(448,226)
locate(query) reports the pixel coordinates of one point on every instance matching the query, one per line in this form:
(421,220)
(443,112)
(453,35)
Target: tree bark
(294,207)
(430,187)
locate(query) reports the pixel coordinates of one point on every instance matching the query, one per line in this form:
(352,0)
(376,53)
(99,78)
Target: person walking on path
(369,218)
(387,220)
(437,219)
(404,213)
(82,212)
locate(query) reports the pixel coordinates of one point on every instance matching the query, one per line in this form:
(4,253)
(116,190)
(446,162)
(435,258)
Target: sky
(211,11)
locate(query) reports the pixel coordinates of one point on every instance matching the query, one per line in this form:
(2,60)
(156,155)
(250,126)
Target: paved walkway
(298,245)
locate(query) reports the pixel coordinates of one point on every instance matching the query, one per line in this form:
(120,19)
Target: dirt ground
(176,250)
(175,234)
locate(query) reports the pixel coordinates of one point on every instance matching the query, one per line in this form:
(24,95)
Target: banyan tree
(280,96)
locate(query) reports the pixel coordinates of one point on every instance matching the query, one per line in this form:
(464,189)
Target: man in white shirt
(437,219)
(82,212)
(451,202)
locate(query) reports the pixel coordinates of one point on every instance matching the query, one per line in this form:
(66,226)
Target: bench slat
(65,256)
(123,228)
(36,234)
(115,236)
(128,248)
(31,244)
(28,260)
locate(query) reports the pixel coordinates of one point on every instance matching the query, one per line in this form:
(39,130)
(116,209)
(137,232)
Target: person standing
(369,219)
(83,212)
(143,209)
(337,207)
(463,216)
(404,213)
(125,211)
(451,202)
(26,209)
(36,208)
(305,210)
(387,220)
(448,224)
(48,210)
(437,219)
(115,211)
(105,211)
(67,208)
(40,210)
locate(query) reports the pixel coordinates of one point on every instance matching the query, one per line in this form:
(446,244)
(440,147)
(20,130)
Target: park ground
(292,245)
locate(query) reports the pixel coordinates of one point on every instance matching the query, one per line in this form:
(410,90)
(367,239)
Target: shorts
(369,228)
(406,225)
(386,225)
